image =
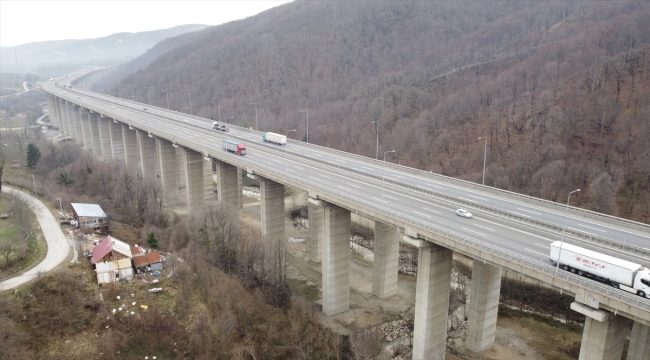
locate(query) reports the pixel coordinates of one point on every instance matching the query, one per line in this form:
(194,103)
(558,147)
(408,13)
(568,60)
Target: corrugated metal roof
(140,261)
(137,251)
(107,245)
(153,257)
(93,210)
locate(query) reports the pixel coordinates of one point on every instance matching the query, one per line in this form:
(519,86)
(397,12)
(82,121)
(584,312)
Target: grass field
(13,122)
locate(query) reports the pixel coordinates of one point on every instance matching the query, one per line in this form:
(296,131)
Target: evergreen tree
(151,240)
(33,155)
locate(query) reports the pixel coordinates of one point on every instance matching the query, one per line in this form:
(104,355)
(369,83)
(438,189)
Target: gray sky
(24,21)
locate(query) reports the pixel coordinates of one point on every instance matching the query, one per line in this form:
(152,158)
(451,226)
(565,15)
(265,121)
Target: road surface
(58,247)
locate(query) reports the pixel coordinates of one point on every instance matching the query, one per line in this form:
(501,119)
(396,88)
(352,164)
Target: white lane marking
(276,160)
(582,231)
(467,199)
(513,229)
(365,167)
(390,197)
(435,186)
(424,187)
(589,227)
(316,178)
(544,246)
(437,212)
(476,197)
(518,214)
(476,232)
(538,253)
(291,170)
(325,176)
(419,213)
(403,177)
(358,187)
(486,228)
(379,199)
(344,188)
(388,177)
(532,212)
(268,162)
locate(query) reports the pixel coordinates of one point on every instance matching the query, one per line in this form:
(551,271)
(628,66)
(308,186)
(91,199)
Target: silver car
(464,213)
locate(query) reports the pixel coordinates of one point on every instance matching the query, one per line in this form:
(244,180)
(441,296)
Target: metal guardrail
(333,195)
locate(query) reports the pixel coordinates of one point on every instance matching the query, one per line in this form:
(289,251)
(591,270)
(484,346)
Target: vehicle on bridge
(274,138)
(621,274)
(220,127)
(234,147)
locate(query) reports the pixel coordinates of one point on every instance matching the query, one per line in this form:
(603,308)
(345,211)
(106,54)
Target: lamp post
(285,153)
(307,111)
(256,126)
(564,229)
(377,154)
(188,94)
(484,156)
(218,105)
(229,117)
(382,177)
(167,96)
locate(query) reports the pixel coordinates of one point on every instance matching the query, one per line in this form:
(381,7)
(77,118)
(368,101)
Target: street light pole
(377,154)
(218,105)
(256,126)
(382,177)
(564,229)
(307,111)
(484,156)
(285,153)
(167,96)
(148,97)
(188,94)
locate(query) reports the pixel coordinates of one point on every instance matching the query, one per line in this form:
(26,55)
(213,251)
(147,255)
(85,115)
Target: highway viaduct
(181,152)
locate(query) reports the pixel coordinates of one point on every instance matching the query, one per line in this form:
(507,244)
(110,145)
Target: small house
(155,261)
(90,216)
(112,260)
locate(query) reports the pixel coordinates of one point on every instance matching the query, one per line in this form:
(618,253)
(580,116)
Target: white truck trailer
(274,138)
(619,273)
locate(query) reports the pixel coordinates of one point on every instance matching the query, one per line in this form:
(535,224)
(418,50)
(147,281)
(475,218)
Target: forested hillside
(561,89)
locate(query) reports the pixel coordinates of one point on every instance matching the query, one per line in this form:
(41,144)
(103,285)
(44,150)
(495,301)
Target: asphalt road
(57,244)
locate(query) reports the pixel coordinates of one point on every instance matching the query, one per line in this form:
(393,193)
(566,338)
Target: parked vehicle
(621,274)
(234,147)
(274,138)
(220,127)
(464,213)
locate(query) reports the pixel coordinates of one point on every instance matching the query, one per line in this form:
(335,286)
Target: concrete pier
(64,117)
(147,151)
(194,188)
(272,210)
(168,171)
(336,259)
(86,139)
(131,152)
(117,142)
(228,185)
(639,342)
(316,223)
(386,262)
(73,114)
(604,333)
(94,135)
(431,302)
(208,183)
(483,306)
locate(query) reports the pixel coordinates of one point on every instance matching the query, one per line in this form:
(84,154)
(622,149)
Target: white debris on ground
(397,329)
(294,240)
(252,191)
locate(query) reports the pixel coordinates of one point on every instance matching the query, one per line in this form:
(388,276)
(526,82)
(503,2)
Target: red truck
(234,147)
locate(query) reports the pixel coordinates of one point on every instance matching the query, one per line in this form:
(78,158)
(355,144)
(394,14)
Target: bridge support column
(94,136)
(77,124)
(64,117)
(483,306)
(228,184)
(385,265)
(316,223)
(431,301)
(272,210)
(168,170)
(208,183)
(59,115)
(51,110)
(604,333)
(147,147)
(639,342)
(336,259)
(117,142)
(131,152)
(55,117)
(86,137)
(105,138)
(194,188)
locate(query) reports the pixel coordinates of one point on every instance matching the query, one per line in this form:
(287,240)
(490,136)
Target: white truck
(274,138)
(621,274)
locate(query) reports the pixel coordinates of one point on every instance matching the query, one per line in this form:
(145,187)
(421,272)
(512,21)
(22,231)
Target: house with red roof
(112,260)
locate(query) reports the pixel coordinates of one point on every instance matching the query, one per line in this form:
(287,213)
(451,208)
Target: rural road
(58,246)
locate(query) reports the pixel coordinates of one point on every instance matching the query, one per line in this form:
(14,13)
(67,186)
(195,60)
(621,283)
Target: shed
(140,262)
(155,261)
(90,216)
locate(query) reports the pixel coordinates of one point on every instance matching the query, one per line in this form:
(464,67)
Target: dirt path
(58,246)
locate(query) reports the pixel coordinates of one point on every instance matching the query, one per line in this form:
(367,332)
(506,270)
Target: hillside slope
(559,88)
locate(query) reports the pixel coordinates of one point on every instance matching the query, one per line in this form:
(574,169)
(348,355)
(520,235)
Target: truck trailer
(621,274)
(234,147)
(274,138)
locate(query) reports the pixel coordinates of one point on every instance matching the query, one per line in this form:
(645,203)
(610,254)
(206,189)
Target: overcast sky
(24,21)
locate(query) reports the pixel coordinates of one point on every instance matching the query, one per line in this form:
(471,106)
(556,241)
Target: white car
(464,213)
